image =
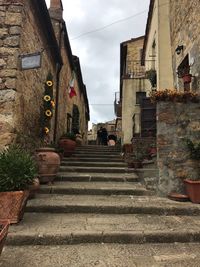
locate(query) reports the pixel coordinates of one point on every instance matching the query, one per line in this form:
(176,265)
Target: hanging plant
(47,110)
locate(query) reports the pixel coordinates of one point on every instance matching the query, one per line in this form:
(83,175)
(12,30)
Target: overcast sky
(99,51)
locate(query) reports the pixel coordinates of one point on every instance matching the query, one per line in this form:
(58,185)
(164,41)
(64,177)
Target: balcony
(134,69)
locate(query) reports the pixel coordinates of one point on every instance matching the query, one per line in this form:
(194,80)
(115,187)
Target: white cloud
(99,51)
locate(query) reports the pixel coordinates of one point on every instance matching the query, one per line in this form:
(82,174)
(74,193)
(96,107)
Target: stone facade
(176,121)
(26,28)
(184,22)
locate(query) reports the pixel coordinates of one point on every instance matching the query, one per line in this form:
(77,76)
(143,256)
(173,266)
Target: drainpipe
(58,70)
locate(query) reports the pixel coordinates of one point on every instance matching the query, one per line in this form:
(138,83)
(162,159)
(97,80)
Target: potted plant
(193,183)
(48,162)
(17,172)
(3,233)
(68,143)
(152,76)
(135,158)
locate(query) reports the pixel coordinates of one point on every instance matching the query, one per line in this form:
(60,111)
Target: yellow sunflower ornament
(47,98)
(48,113)
(46,130)
(49,83)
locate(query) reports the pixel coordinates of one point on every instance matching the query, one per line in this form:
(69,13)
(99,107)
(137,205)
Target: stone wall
(30,83)
(10,20)
(185,30)
(175,122)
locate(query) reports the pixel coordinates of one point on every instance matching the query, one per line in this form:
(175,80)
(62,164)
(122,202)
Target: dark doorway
(75,119)
(148,118)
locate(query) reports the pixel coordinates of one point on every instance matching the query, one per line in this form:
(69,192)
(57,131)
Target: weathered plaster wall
(185,30)
(176,121)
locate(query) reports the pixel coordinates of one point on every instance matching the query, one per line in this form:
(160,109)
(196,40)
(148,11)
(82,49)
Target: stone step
(94,164)
(110,204)
(97,177)
(98,148)
(103,255)
(102,153)
(99,159)
(94,188)
(95,169)
(95,155)
(59,229)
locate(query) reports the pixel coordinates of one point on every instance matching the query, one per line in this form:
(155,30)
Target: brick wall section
(185,30)
(176,121)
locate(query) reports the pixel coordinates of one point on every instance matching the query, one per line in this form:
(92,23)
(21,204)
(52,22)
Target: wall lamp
(179,49)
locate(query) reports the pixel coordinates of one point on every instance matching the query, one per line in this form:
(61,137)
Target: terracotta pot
(34,188)
(13,205)
(193,190)
(3,233)
(48,162)
(187,78)
(68,145)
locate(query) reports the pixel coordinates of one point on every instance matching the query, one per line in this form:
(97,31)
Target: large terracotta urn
(68,146)
(48,162)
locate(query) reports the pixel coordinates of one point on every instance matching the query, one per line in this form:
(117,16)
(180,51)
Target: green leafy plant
(69,135)
(17,169)
(152,76)
(194,149)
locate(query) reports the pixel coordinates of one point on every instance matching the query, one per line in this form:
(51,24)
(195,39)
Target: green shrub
(194,149)
(17,169)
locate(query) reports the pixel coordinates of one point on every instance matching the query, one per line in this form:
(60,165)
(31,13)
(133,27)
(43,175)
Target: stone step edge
(95,191)
(103,209)
(122,237)
(83,178)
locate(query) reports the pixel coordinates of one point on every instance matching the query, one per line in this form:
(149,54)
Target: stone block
(3,32)
(14,8)
(7,95)
(2,62)
(7,51)
(6,139)
(8,73)
(10,83)
(12,41)
(13,18)
(12,62)
(15,30)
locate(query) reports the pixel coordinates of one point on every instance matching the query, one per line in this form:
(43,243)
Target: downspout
(58,70)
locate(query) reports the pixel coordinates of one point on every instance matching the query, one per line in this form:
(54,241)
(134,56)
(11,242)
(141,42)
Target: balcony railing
(134,69)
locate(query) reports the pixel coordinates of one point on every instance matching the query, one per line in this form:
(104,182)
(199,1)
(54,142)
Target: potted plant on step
(68,143)
(48,162)
(3,233)
(134,159)
(17,172)
(193,183)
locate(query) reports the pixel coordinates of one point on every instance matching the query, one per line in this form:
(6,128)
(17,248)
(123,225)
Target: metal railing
(134,69)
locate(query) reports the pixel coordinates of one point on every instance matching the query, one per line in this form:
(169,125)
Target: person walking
(99,136)
(104,135)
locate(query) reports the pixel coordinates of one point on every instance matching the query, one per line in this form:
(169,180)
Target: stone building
(134,87)
(172,38)
(28,36)
(157,44)
(185,42)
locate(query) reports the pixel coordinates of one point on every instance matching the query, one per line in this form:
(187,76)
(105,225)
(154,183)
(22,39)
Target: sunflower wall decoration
(48,105)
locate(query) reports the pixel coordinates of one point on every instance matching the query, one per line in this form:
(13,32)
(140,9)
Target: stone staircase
(96,199)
